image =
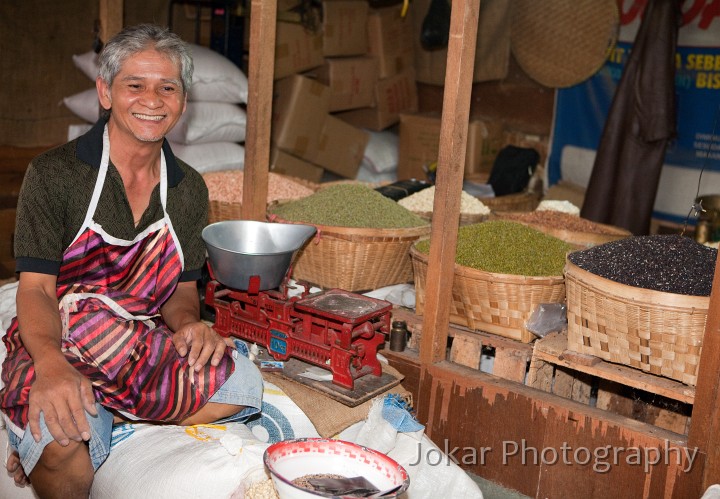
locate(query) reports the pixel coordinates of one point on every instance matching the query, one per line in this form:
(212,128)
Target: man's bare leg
(211,412)
(63,472)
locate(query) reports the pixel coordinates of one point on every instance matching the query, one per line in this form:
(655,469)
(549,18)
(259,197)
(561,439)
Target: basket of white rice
(472,210)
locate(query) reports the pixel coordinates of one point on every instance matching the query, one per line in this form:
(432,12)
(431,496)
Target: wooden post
(704,431)
(448,185)
(261,71)
(111,18)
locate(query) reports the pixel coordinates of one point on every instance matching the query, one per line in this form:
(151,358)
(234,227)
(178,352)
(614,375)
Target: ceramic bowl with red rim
(292,462)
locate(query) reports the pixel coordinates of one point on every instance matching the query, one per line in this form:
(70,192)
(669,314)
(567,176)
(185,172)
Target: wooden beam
(261,71)
(111,18)
(705,423)
(448,185)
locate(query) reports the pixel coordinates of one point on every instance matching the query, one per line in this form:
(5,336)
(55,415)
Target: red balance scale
(334,329)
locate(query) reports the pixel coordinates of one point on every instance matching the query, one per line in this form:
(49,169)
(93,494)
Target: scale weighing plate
(343,305)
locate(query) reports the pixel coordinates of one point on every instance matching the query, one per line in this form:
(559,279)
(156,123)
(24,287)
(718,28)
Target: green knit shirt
(56,193)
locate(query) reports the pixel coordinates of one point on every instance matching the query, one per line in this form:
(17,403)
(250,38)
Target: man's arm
(192,337)
(59,391)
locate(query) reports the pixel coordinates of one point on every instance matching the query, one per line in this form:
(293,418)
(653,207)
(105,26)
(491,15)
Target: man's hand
(200,343)
(62,395)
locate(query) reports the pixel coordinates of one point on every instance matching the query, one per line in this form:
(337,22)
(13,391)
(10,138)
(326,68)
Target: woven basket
(560,43)
(223,210)
(522,201)
(497,303)
(577,238)
(586,238)
(654,331)
(357,259)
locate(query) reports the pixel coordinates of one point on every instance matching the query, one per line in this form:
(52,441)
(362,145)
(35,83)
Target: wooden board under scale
(364,388)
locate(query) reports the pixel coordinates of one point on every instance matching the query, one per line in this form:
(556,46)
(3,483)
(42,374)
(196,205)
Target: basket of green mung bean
(641,301)
(503,271)
(363,238)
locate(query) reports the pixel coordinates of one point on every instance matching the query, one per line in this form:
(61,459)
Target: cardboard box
(393,96)
(296,49)
(391,40)
(287,164)
(485,139)
(351,81)
(344,27)
(300,106)
(419,144)
(341,148)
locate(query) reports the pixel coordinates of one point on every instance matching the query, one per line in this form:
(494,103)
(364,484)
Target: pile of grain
(505,247)
(262,490)
(226,186)
(556,205)
(348,205)
(561,220)
(669,263)
(422,201)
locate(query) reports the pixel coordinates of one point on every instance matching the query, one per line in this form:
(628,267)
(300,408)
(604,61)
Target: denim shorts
(244,387)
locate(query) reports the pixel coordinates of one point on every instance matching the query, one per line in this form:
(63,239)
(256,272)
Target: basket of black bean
(362,241)
(503,271)
(641,301)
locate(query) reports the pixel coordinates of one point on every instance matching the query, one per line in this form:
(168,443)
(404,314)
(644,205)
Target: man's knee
(74,458)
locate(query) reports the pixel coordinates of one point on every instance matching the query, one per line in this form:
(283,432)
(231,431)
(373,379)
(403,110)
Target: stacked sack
(210,134)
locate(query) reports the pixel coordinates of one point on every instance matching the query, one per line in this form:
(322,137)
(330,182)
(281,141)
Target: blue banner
(581,111)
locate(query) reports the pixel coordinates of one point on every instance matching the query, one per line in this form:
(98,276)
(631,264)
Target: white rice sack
(381,152)
(205,122)
(216,78)
(175,462)
(211,157)
(87,63)
(562,206)
(84,104)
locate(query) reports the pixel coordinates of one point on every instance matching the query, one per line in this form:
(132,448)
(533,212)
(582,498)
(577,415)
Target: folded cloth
(396,411)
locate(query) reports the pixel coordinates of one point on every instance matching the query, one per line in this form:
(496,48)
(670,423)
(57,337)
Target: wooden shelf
(552,349)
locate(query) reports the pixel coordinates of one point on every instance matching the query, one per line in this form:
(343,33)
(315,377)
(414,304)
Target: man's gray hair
(134,39)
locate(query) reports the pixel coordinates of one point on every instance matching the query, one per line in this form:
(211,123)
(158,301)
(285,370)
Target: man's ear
(103,91)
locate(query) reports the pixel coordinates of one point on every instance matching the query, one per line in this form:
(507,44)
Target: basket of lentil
(503,271)
(641,301)
(363,238)
(570,228)
(225,190)
(472,210)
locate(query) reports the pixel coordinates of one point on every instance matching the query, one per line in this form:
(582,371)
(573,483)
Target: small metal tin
(398,336)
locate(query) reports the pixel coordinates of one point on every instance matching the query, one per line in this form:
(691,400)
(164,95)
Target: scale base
(364,388)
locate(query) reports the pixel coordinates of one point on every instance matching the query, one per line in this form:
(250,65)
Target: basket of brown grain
(225,190)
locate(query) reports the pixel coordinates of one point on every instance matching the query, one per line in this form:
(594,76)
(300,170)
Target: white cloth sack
(211,157)
(205,122)
(431,472)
